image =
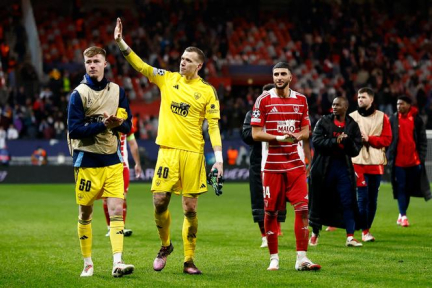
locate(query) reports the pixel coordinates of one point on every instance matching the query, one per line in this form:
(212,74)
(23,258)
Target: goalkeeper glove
(215,182)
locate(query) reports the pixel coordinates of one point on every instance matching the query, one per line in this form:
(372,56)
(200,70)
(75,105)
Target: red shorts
(360,170)
(278,188)
(126,179)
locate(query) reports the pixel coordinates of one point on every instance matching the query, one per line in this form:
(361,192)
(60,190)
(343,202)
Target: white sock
(117,257)
(274,256)
(88,261)
(301,255)
(404,217)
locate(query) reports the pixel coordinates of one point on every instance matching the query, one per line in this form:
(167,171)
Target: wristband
(122,45)
(218,156)
(281,138)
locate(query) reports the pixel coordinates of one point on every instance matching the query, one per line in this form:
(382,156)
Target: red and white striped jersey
(279,116)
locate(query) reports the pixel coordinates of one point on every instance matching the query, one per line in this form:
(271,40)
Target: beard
(283,86)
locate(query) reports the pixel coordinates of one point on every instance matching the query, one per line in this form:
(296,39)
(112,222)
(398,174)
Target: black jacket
(324,204)
(256,190)
(256,146)
(420,187)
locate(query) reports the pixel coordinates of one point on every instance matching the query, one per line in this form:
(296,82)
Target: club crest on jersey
(287,126)
(197,95)
(181,108)
(296,108)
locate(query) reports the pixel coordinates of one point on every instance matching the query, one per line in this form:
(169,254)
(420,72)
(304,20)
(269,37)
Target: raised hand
(118,31)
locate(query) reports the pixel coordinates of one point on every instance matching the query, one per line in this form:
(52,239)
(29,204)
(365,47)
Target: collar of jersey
(95,85)
(191,81)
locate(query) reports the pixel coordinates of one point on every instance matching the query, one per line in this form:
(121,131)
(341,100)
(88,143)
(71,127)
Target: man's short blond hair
(94,50)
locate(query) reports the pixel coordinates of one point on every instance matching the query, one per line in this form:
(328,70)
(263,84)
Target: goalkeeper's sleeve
(213,128)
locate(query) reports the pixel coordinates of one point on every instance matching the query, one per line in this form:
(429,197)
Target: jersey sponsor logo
(181,108)
(256,113)
(287,126)
(274,110)
(176,86)
(197,95)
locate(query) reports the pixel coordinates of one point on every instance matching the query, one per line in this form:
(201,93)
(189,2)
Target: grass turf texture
(39,245)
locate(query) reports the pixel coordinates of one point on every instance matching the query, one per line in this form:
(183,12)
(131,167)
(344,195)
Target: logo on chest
(181,108)
(287,126)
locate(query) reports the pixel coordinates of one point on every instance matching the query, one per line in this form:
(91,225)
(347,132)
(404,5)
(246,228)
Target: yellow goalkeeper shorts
(100,182)
(179,171)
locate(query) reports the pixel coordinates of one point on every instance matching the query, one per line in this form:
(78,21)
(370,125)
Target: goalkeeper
(186,99)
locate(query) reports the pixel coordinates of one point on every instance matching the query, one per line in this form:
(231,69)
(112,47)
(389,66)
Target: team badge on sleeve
(256,113)
(159,72)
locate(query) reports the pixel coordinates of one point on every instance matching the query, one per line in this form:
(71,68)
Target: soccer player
(369,164)
(332,198)
(180,167)
(407,156)
(280,119)
(255,182)
(133,145)
(98,111)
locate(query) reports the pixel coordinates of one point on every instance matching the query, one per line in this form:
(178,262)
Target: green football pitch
(39,245)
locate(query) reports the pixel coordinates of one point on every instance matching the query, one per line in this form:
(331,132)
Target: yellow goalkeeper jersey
(184,105)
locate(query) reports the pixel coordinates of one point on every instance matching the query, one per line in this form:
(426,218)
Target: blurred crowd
(386,46)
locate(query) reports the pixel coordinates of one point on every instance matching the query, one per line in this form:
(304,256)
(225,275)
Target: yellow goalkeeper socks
(85,237)
(189,233)
(116,233)
(163,223)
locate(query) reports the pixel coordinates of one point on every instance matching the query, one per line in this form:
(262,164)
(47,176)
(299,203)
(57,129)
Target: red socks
(301,227)
(271,229)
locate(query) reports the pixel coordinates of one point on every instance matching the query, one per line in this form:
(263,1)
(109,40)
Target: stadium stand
(354,45)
